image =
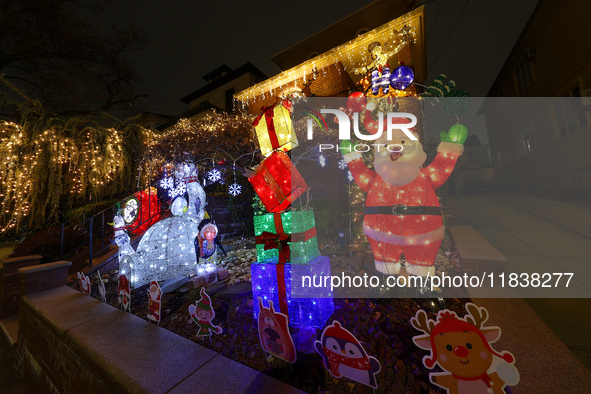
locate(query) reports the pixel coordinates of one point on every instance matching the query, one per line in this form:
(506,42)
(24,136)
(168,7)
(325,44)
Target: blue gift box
(313,310)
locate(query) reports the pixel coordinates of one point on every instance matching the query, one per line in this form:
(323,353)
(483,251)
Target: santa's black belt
(403,210)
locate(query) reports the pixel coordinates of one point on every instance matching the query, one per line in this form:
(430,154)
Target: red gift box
(277,182)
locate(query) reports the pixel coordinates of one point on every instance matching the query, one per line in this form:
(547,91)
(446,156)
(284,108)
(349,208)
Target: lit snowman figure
(121,237)
(167,249)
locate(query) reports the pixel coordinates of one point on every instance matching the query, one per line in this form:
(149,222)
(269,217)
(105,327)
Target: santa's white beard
(397,173)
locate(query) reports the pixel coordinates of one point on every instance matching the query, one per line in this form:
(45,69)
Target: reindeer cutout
(274,333)
(461,347)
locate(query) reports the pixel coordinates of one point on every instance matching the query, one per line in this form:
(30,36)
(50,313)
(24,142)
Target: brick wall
(52,364)
(43,277)
(9,288)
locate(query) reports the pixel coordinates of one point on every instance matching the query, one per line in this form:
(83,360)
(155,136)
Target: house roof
(216,73)
(155,114)
(231,75)
(369,17)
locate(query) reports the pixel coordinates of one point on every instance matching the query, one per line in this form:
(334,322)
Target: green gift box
(286,237)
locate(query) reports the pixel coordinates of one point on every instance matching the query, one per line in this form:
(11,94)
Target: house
(218,93)
(542,144)
(323,64)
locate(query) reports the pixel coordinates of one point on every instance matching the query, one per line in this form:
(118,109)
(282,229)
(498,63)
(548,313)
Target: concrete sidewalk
(538,235)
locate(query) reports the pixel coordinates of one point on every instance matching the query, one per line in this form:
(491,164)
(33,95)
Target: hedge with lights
(213,135)
(51,163)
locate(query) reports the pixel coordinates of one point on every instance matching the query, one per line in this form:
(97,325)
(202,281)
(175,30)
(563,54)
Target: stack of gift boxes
(286,240)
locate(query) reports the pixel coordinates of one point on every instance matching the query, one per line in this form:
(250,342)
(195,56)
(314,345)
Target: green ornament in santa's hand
(456,134)
(346,146)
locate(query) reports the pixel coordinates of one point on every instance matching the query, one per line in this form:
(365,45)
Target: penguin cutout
(344,356)
(207,236)
(202,313)
(199,240)
(84,282)
(274,333)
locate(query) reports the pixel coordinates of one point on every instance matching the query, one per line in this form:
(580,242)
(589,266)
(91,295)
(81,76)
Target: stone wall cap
(43,267)
(20,259)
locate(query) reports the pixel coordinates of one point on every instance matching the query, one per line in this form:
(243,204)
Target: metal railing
(97,231)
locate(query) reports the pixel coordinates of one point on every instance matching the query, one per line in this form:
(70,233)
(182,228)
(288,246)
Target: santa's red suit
(407,218)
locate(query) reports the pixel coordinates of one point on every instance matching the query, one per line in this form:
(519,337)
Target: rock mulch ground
(382,325)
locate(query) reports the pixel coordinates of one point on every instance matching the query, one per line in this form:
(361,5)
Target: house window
(524,74)
(569,113)
(525,140)
(230,100)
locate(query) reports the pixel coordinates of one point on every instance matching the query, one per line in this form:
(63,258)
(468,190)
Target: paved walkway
(539,235)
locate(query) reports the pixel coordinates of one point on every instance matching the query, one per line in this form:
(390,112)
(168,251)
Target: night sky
(467,40)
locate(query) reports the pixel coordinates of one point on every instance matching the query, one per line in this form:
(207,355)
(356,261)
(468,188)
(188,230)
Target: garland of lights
(351,55)
(232,135)
(50,164)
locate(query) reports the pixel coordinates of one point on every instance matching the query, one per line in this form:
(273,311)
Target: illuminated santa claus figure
(402,212)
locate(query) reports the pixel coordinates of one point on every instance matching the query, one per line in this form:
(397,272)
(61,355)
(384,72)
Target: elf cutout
(203,314)
(402,212)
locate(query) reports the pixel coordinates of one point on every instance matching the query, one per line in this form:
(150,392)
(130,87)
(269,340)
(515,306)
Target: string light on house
(394,35)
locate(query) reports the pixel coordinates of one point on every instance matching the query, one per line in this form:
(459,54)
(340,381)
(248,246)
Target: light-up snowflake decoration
(342,164)
(235,189)
(214,175)
(179,190)
(322,160)
(350,176)
(167,183)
